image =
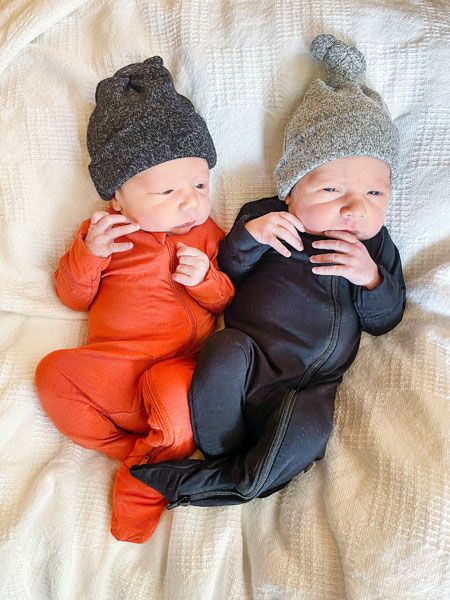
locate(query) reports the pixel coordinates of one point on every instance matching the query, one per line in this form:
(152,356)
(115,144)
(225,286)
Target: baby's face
(350,194)
(172,197)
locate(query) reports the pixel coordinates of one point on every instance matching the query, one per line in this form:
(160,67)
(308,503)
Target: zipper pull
(183,501)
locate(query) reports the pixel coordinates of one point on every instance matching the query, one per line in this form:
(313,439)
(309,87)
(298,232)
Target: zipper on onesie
(179,292)
(265,464)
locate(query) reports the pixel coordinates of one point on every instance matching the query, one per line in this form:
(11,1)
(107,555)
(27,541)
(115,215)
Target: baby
(262,396)
(146,271)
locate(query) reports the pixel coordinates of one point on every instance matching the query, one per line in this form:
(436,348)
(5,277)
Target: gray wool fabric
(337,118)
(140,121)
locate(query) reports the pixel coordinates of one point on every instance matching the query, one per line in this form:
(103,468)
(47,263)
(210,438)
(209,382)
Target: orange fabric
(136,507)
(111,426)
(124,393)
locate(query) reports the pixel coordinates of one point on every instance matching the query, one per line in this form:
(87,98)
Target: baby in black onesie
(262,395)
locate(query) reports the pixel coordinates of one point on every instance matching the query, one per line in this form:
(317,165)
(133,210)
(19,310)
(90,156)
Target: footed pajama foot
(136,510)
(190,481)
(211,482)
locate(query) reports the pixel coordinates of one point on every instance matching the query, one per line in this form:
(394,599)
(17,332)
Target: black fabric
(262,395)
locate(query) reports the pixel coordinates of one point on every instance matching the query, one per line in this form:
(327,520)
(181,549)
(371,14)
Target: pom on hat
(344,64)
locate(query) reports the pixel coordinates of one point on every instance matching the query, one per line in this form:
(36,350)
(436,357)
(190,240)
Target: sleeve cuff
(84,265)
(246,250)
(215,291)
(378,302)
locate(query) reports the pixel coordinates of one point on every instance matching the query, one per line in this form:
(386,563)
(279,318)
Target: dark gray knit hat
(337,118)
(141,121)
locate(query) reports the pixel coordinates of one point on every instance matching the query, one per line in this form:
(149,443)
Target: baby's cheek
(313,219)
(151,220)
(206,210)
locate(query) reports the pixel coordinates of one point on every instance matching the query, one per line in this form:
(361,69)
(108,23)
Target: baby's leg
(78,415)
(295,436)
(136,507)
(218,391)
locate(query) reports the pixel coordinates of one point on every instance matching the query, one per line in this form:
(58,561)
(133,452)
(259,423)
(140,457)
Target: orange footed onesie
(124,393)
(137,508)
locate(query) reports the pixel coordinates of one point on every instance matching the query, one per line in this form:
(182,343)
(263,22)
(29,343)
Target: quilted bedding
(370,521)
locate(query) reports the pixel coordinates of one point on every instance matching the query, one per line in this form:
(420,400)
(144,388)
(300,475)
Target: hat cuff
(345,135)
(123,157)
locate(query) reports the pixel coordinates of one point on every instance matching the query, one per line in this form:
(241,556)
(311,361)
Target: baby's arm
(214,291)
(379,291)
(77,277)
(253,234)
(379,305)
(381,309)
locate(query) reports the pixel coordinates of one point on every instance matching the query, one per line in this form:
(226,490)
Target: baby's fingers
(183,250)
(294,220)
(184,269)
(121,247)
(331,270)
(180,278)
(329,258)
(101,220)
(190,260)
(116,232)
(278,246)
(339,234)
(289,236)
(339,245)
(98,215)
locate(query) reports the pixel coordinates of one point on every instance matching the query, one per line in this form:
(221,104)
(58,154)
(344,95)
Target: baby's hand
(192,267)
(350,259)
(101,234)
(275,226)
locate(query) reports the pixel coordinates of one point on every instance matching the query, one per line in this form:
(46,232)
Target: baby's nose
(189,201)
(353,208)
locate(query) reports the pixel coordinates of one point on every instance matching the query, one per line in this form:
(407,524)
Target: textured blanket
(370,521)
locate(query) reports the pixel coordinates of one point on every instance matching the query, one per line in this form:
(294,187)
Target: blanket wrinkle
(24,21)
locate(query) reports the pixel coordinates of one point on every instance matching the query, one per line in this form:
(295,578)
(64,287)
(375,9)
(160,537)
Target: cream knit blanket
(370,521)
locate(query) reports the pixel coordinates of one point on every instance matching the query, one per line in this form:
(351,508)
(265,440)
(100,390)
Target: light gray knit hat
(141,121)
(337,118)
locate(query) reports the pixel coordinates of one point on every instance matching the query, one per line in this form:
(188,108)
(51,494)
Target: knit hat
(141,121)
(338,118)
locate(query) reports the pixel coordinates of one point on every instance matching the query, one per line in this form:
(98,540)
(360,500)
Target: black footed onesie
(262,395)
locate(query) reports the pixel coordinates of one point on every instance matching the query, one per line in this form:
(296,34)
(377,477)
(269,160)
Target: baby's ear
(288,199)
(115,203)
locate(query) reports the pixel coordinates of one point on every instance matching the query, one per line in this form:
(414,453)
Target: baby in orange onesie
(146,271)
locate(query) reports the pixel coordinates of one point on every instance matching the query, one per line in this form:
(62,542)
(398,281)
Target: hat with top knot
(338,118)
(140,121)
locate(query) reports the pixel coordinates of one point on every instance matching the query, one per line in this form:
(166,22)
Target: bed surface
(370,521)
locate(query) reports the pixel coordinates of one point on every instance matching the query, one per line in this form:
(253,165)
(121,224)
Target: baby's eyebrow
(380,184)
(325,179)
